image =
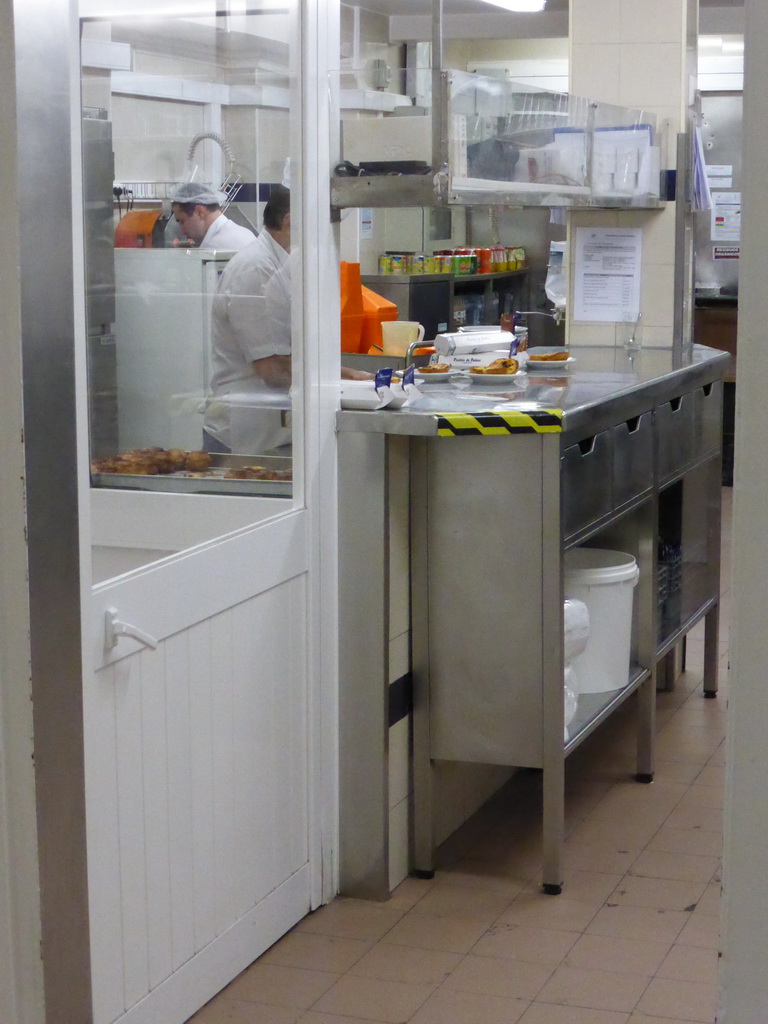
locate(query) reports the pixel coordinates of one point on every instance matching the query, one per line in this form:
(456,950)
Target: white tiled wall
(636,55)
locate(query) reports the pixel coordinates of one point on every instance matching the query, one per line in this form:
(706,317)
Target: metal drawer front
(709,416)
(587,469)
(632,458)
(675,431)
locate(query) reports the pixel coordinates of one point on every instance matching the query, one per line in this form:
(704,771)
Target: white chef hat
(195,192)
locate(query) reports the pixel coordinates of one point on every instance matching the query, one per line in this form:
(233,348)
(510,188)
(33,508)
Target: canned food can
(385,264)
(430,263)
(445,265)
(511,258)
(485,257)
(416,263)
(399,263)
(462,264)
(520,256)
(499,259)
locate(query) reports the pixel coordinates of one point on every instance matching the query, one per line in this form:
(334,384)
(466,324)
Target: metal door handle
(114,629)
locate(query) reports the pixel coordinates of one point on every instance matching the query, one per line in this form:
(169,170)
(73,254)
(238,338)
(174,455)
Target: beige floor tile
(595,857)
(621,834)
(640,803)
(350,919)
(541,911)
(445,900)
(711,775)
(684,867)
(688,1000)
(698,842)
(702,930)
(710,900)
(598,990)
(280,986)
(389,1001)
(386,962)
(451,934)
(471,873)
(659,893)
(512,979)
(318,952)
(532,945)
(444,1007)
(313,1017)
(408,894)
(645,923)
(230,1011)
(705,819)
(676,771)
(631,956)
(689,963)
(642,1018)
(549,1013)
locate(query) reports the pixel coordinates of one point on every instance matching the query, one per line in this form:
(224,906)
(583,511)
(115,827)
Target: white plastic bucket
(605,582)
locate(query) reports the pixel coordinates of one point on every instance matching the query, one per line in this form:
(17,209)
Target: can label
(499,259)
(416,263)
(446,263)
(511,258)
(430,263)
(520,256)
(462,263)
(399,264)
(385,264)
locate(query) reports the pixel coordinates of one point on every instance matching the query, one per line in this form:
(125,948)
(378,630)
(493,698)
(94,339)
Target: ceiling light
(710,42)
(735,47)
(521,6)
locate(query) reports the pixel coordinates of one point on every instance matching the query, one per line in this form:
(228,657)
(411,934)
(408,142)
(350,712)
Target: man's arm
(275,371)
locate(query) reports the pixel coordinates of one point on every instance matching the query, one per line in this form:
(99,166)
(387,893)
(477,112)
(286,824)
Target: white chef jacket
(225,234)
(243,329)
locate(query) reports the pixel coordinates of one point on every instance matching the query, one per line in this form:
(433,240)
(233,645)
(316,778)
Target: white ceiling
(424,7)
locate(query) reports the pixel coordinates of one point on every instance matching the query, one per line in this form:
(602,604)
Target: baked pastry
(197,461)
(435,368)
(550,357)
(499,367)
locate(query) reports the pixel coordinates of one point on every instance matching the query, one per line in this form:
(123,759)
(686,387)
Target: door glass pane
(189,121)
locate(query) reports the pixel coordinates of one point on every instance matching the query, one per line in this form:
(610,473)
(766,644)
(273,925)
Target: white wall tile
(596,72)
(651,74)
(651,21)
(595,21)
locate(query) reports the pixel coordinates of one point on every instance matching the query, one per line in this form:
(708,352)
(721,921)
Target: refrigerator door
(716,238)
(162,330)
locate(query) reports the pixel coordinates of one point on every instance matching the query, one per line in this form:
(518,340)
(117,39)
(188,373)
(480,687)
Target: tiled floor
(632,939)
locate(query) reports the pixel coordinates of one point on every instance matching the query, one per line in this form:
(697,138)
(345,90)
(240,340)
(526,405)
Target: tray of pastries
(194,472)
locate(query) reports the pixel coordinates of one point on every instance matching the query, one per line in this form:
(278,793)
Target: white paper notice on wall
(607,274)
(726,217)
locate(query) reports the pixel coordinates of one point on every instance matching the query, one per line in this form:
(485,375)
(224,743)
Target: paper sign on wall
(607,269)
(726,217)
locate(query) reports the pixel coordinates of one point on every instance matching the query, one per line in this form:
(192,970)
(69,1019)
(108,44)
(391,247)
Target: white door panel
(197,791)
(198,583)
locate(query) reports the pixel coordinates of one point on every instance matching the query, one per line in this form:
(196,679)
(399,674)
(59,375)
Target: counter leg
(646,729)
(711,650)
(553,808)
(423,812)
(554,827)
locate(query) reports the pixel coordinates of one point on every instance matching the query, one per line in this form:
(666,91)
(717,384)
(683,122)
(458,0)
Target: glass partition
(188,128)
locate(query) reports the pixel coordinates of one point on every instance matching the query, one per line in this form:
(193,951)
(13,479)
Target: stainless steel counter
(603,386)
(622,452)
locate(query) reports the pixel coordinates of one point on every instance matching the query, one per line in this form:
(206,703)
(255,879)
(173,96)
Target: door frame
(55,425)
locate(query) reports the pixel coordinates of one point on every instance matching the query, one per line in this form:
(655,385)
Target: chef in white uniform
(250,361)
(197,209)
(248,411)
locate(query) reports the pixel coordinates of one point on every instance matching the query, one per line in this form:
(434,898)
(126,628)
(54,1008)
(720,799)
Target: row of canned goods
(486,260)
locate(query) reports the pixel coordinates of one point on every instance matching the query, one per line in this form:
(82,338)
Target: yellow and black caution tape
(537,421)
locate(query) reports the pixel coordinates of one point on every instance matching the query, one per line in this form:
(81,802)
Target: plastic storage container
(376,309)
(605,582)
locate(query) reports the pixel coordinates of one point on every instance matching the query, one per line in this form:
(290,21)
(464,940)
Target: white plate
(550,364)
(493,379)
(433,378)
